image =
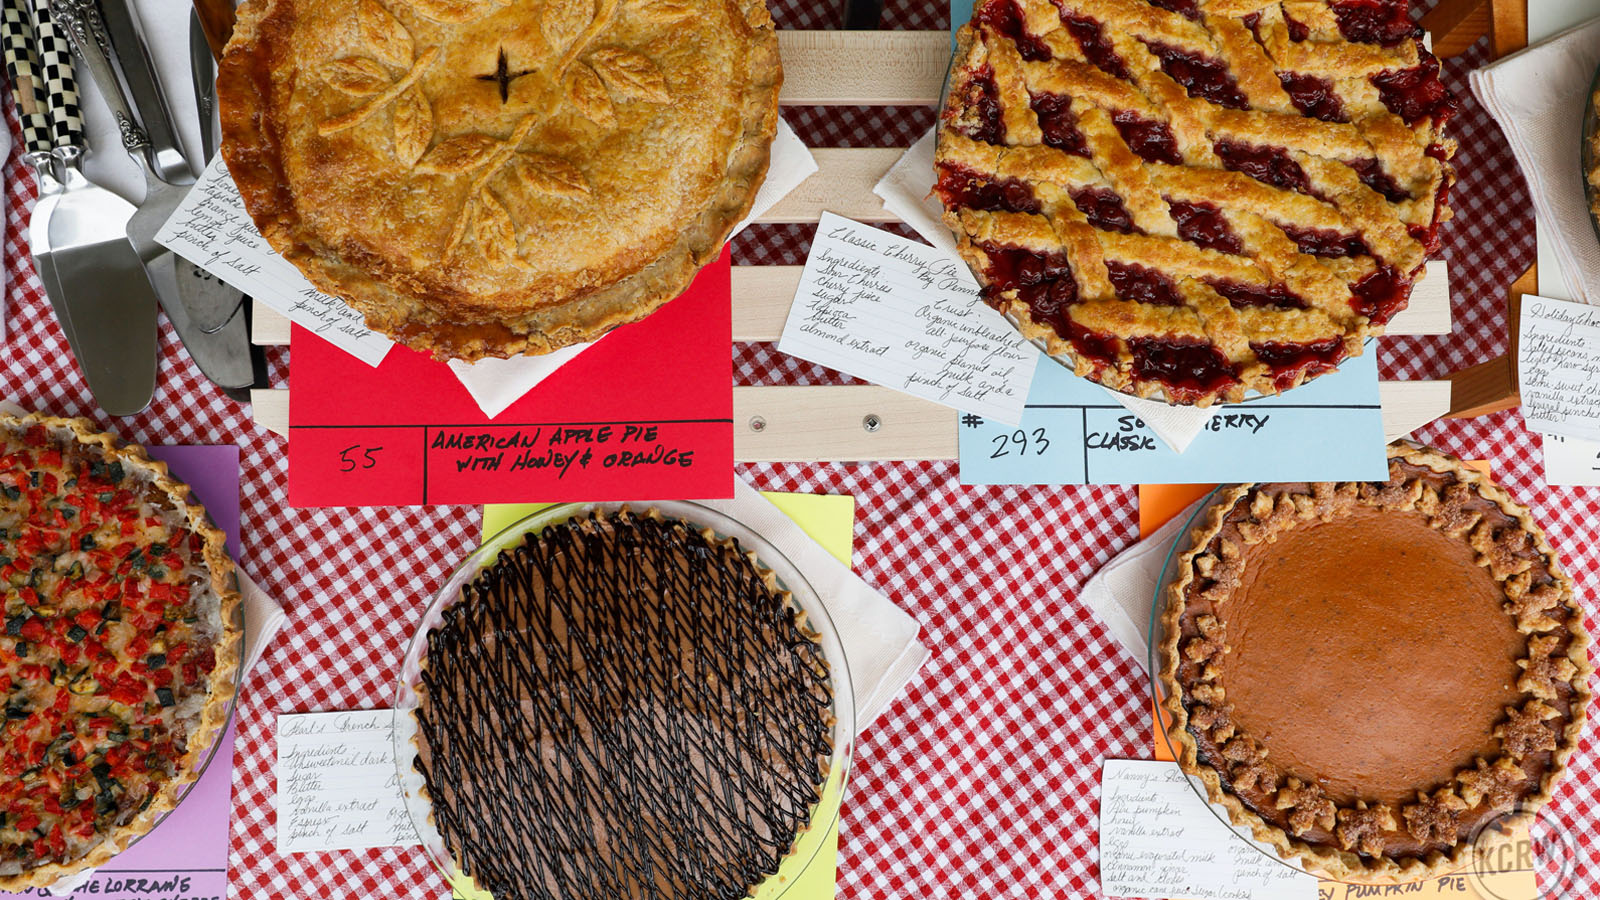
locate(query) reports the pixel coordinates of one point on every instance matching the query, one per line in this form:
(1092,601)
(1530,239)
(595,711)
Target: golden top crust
(205,723)
(499,177)
(1534,739)
(1223,198)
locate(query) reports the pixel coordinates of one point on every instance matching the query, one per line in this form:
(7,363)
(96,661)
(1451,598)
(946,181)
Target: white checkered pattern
(980,782)
(60,83)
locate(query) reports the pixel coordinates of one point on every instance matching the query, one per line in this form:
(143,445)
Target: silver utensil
(27,88)
(110,309)
(224,355)
(198,288)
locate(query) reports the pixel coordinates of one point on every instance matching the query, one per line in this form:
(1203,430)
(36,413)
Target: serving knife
(197,288)
(224,356)
(110,310)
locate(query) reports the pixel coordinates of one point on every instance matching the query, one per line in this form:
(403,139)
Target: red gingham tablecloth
(980,781)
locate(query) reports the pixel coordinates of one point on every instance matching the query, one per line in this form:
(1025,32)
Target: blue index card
(1073,432)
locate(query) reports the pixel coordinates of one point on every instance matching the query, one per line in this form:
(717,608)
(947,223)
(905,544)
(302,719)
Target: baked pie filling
(1187,204)
(1368,672)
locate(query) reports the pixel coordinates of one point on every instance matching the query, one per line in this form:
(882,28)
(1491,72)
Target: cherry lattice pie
(1190,200)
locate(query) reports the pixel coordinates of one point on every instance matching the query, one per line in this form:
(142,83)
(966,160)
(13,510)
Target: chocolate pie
(1368,673)
(499,177)
(1190,201)
(623,706)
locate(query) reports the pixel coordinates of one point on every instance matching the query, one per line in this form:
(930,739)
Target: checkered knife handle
(60,84)
(22,69)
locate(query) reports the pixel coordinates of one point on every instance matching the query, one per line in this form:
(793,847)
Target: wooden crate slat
(823,423)
(863,68)
(762,294)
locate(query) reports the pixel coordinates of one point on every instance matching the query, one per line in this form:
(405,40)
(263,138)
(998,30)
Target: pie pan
(808,842)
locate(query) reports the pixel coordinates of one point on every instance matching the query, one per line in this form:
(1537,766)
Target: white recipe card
(1159,839)
(906,316)
(212,230)
(337,785)
(1558,366)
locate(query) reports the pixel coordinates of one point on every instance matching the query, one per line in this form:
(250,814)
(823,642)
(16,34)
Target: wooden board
(762,294)
(822,423)
(863,68)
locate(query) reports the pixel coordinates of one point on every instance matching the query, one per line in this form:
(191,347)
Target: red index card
(645,414)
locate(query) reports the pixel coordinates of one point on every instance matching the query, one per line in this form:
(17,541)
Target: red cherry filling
(1298,30)
(1100,349)
(1373,176)
(961,186)
(1270,165)
(1385,22)
(1417,93)
(1288,361)
(1325,242)
(1380,295)
(977,111)
(1104,209)
(1205,225)
(1189,9)
(1188,369)
(1202,77)
(1241,295)
(1313,96)
(1151,140)
(1011,268)
(1003,17)
(1138,284)
(1096,46)
(1058,124)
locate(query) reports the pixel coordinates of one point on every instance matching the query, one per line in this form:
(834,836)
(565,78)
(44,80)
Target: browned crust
(252,149)
(803,623)
(1063,352)
(220,693)
(1329,862)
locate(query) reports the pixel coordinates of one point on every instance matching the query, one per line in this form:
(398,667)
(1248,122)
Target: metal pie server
(224,355)
(110,308)
(109,30)
(197,288)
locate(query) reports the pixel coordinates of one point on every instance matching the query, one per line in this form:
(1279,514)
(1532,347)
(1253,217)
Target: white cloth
(880,639)
(907,191)
(1539,96)
(1123,592)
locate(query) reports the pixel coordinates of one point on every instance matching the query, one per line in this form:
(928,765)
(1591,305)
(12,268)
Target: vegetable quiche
(119,649)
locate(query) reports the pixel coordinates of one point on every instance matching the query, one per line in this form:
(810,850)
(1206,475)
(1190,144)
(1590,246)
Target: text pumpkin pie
(623,705)
(120,647)
(499,177)
(1189,201)
(1368,673)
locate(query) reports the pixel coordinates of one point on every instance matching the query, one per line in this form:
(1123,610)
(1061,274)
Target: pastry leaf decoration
(465,153)
(494,231)
(665,10)
(588,93)
(383,35)
(562,21)
(413,126)
(549,175)
(629,75)
(455,12)
(357,75)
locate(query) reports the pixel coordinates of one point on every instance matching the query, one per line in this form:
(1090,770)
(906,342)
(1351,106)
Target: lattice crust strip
(1194,199)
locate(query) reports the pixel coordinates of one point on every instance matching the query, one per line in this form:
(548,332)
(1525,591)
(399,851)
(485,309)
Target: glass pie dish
(808,841)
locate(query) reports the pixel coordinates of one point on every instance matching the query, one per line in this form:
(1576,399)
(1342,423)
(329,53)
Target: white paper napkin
(1122,593)
(1538,97)
(880,639)
(907,191)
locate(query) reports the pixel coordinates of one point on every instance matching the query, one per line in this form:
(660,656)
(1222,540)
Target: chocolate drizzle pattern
(623,706)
